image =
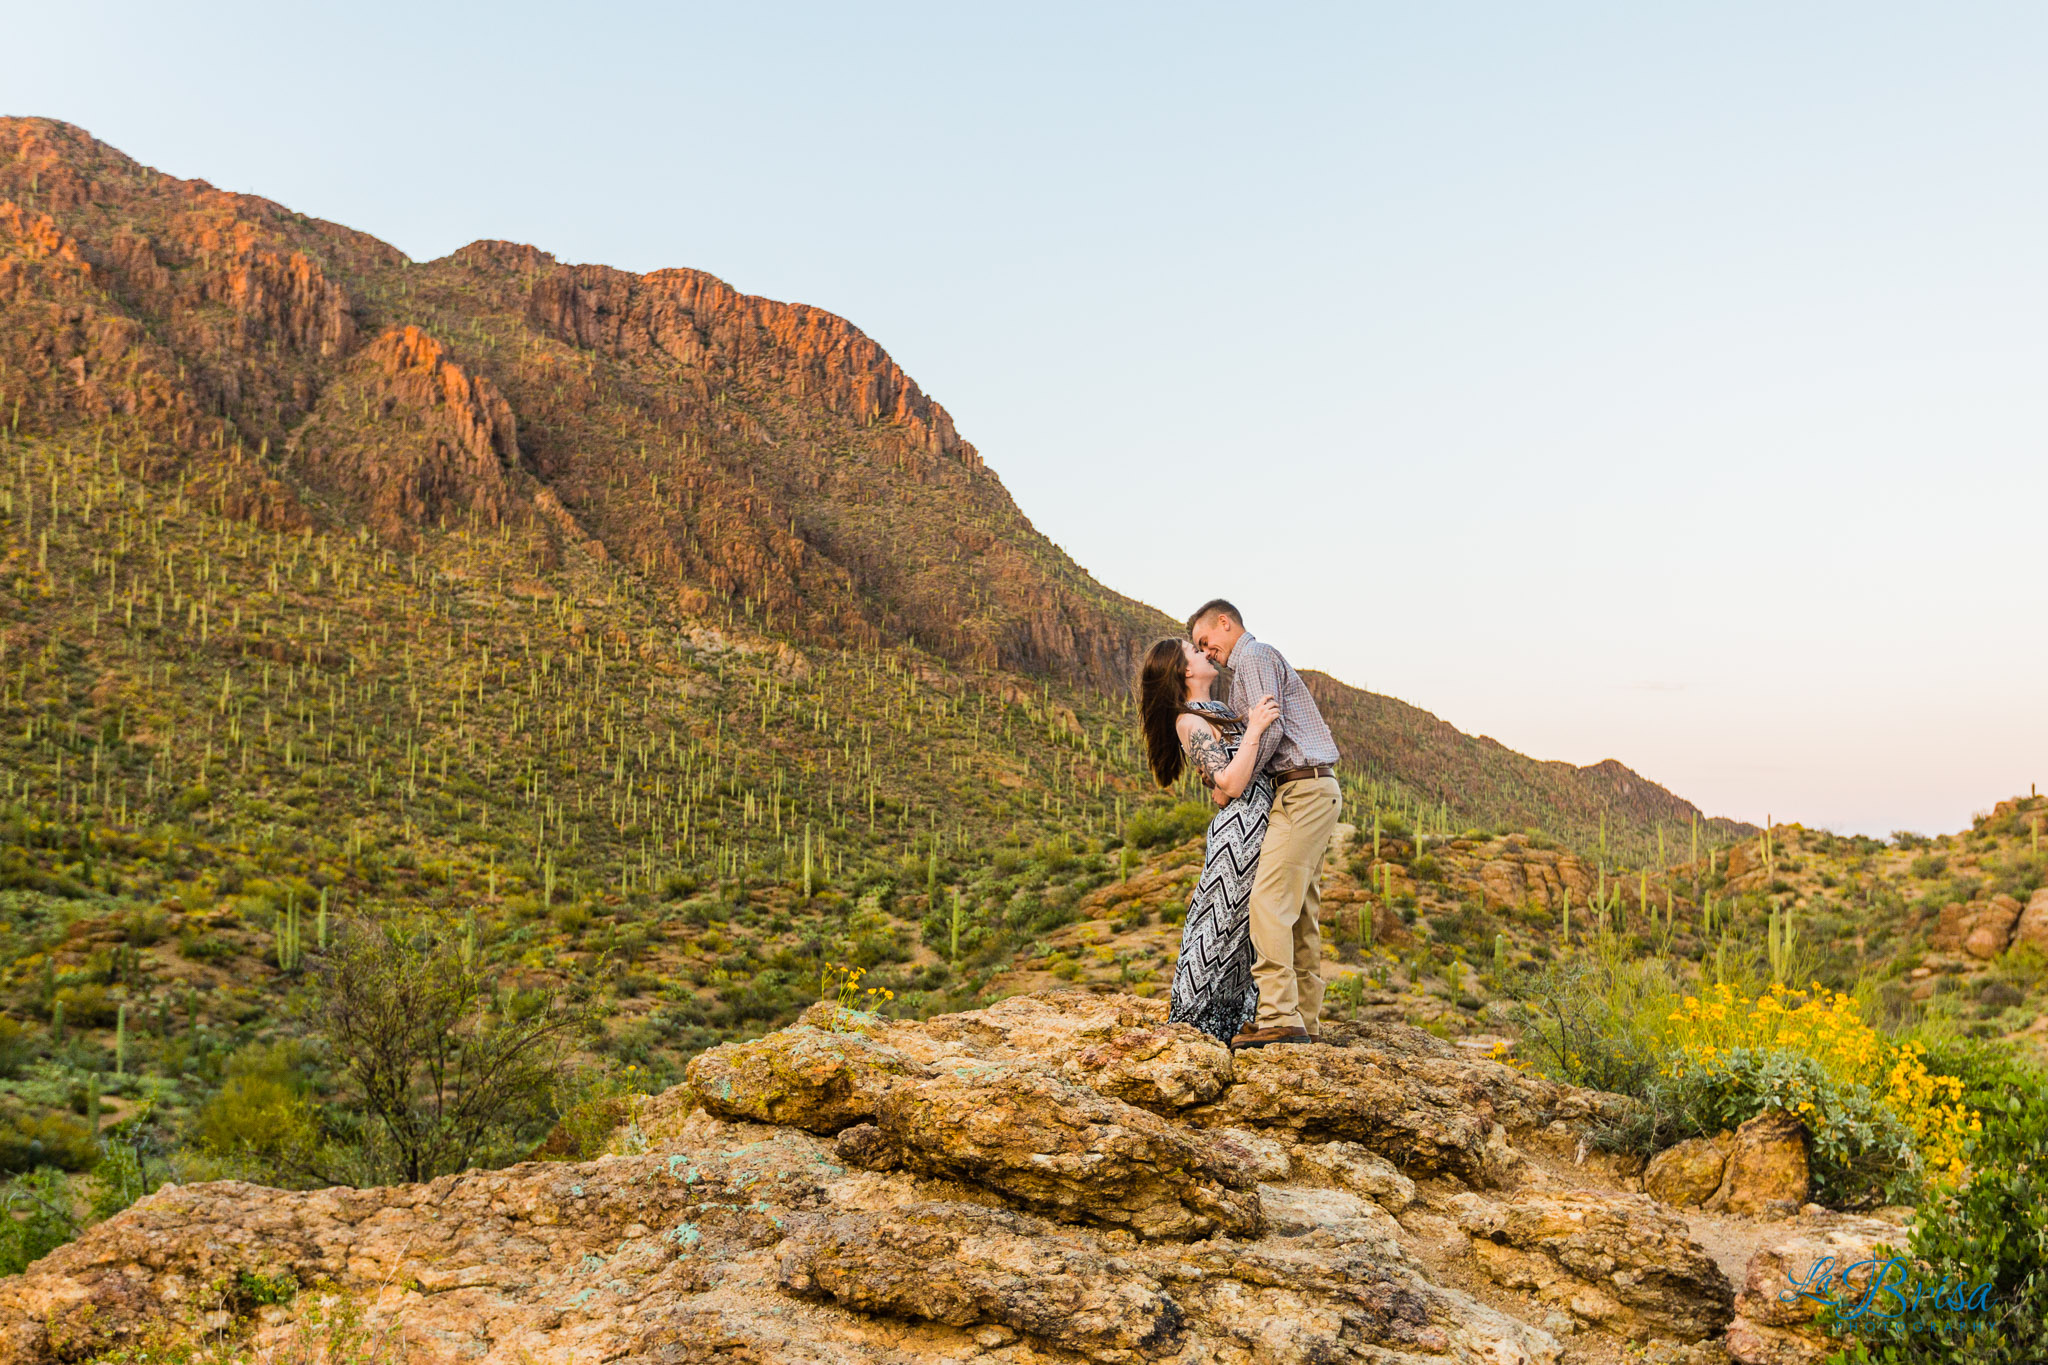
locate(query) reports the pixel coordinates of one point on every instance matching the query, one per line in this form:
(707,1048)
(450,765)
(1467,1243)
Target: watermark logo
(1885,1290)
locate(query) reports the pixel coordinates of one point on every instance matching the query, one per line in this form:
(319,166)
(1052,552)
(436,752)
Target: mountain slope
(752,455)
(741,458)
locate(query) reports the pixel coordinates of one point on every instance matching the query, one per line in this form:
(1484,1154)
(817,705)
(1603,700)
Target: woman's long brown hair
(1162,696)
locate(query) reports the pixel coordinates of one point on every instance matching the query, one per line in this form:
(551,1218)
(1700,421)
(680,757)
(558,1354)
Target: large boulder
(1828,1256)
(1068,1152)
(1950,925)
(1989,931)
(1317,1091)
(1767,1172)
(1619,1261)
(2032,927)
(1687,1174)
(820,1080)
(1116,1045)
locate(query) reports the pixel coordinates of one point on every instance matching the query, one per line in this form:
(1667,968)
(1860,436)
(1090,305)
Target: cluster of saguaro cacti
(370,677)
(1780,936)
(290,945)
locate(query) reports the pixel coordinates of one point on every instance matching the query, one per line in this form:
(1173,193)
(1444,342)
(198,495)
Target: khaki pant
(1287,898)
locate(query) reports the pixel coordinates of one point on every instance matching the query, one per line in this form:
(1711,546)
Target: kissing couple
(1250,968)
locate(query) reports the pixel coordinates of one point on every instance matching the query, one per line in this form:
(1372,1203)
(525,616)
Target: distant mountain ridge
(737,453)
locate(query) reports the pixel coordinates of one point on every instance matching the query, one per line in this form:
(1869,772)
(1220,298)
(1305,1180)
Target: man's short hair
(1215,606)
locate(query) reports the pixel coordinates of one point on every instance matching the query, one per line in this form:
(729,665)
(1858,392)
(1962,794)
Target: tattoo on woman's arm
(1206,754)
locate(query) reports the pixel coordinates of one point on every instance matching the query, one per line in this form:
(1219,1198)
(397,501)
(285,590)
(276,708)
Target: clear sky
(1649,381)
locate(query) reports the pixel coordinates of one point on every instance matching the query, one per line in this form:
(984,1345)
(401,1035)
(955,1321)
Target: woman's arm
(1204,746)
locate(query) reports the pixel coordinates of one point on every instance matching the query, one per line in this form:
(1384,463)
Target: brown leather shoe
(1278,1033)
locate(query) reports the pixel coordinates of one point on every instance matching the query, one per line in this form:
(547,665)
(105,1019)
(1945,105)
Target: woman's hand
(1265,713)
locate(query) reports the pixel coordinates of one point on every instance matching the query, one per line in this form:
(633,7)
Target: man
(1287,890)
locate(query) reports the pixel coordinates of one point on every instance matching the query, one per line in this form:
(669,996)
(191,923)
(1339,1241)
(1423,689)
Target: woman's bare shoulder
(1189,724)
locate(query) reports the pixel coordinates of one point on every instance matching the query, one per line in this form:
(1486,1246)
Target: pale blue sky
(1645,381)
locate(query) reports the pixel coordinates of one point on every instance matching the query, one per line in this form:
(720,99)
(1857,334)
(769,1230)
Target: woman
(1186,727)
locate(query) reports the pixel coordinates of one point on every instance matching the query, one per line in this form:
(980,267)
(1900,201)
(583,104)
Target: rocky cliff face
(736,451)
(1057,1177)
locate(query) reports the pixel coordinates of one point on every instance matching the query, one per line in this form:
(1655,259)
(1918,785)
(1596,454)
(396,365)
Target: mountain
(738,458)
(739,453)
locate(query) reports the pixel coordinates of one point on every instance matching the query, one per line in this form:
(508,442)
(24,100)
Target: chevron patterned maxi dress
(1212,981)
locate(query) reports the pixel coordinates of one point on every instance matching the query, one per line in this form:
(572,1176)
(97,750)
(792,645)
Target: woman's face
(1200,670)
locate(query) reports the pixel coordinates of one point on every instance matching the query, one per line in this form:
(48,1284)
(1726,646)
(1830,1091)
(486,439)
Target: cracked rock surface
(1056,1178)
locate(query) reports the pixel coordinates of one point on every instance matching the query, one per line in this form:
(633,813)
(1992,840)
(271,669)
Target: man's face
(1214,635)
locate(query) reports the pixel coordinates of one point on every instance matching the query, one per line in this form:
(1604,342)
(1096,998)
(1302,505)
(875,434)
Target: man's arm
(1258,674)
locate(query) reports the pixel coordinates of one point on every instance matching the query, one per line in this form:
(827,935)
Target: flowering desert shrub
(1881,1122)
(1884,1125)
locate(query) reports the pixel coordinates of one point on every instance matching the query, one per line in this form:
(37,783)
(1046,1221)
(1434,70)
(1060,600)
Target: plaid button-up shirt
(1300,739)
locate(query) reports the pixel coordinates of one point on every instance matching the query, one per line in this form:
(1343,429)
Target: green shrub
(1595,1021)
(1993,1230)
(29,1141)
(35,1218)
(87,1006)
(17,1046)
(590,1113)
(262,1116)
(1160,825)
(141,928)
(196,945)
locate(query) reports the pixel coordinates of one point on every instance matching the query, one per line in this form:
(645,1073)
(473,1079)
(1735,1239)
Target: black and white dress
(1212,982)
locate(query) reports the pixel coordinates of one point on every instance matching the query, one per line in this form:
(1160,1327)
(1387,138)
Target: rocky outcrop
(820,1080)
(1116,1045)
(1349,1166)
(1991,929)
(1013,1125)
(541,1261)
(1621,1261)
(1321,1091)
(1164,1069)
(1823,1257)
(968,1267)
(409,438)
(963,1265)
(1767,1172)
(1761,1169)
(1982,931)
(2032,926)
(884,1191)
(1687,1174)
(697,322)
(1068,1152)
(1402,1093)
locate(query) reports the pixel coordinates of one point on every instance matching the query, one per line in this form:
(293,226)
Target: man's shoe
(1278,1033)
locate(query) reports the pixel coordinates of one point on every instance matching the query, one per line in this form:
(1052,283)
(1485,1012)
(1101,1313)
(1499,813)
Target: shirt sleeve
(1260,677)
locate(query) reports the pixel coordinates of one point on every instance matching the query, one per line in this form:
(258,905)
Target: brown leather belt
(1287,775)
